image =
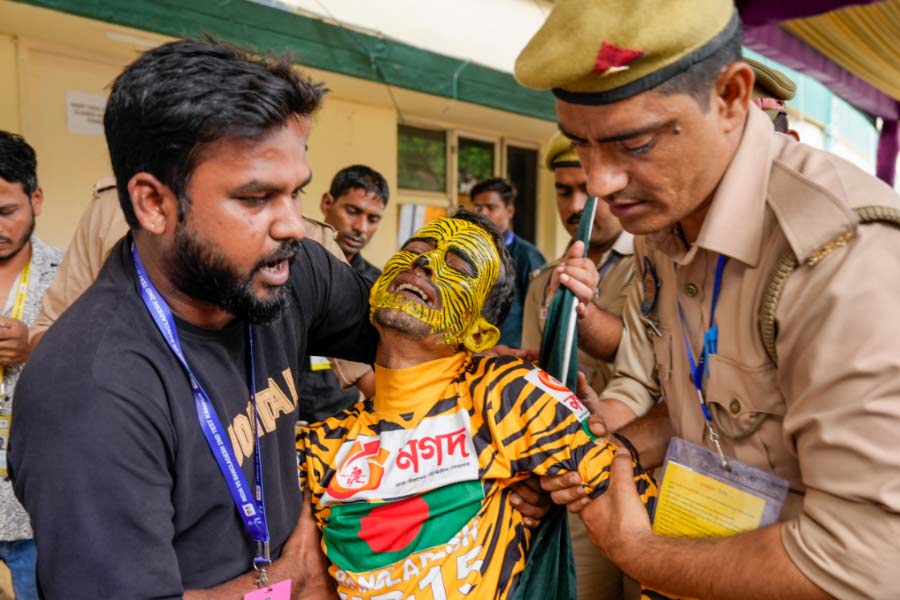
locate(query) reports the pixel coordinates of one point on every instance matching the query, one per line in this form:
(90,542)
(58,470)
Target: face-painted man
(436,287)
(657,101)
(429,461)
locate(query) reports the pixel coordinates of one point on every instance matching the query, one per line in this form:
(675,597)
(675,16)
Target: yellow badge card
(691,504)
(701,498)
(4,442)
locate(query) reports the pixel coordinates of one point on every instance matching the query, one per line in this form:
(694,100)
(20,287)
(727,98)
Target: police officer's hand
(576,273)
(567,489)
(529,499)
(617,522)
(14,348)
(501,350)
(588,395)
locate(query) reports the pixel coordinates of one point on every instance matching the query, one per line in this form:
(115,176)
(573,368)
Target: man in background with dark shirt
(354,206)
(153,444)
(496,199)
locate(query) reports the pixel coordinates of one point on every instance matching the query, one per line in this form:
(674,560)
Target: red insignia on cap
(612,59)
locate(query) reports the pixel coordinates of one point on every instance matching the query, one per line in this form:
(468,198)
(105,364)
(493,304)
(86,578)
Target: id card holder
(699,497)
(280,590)
(319,363)
(5,419)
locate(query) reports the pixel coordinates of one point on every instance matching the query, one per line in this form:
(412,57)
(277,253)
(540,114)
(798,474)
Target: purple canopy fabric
(762,12)
(763,34)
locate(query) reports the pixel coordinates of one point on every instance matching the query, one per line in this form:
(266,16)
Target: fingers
(621,472)
(584,292)
(530,355)
(597,425)
(576,250)
(554,483)
(587,395)
(566,490)
(531,501)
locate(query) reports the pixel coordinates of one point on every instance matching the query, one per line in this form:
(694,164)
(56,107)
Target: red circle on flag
(394,526)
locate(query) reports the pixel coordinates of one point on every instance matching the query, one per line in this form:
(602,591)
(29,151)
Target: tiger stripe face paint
(442,277)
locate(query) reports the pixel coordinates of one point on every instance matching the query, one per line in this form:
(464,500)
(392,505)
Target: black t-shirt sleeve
(93,467)
(336,300)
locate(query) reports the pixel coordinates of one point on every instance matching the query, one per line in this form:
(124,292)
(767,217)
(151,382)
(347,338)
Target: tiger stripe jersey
(411,489)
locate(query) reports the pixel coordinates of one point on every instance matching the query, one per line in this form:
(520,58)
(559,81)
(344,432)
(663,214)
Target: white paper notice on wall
(84,113)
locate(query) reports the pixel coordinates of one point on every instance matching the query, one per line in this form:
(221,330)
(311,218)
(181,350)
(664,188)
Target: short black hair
(18,162)
(503,187)
(500,298)
(359,177)
(697,80)
(175,99)
(780,121)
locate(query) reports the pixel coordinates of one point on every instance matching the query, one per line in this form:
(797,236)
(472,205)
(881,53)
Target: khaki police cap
(602,51)
(771,83)
(561,153)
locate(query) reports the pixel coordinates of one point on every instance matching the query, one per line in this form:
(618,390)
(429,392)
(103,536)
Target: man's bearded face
(202,271)
(438,282)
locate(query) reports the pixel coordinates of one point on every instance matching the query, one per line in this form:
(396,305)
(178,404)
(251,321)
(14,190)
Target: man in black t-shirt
(108,451)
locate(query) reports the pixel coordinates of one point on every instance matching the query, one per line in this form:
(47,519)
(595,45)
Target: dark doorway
(521,170)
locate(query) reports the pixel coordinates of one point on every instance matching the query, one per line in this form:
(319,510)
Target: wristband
(627,443)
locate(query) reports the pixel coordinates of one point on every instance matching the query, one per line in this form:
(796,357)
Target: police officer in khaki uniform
(100,227)
(804,382)
(611,253)
(611,256)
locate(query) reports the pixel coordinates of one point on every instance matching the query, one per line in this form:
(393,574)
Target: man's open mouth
(409,289)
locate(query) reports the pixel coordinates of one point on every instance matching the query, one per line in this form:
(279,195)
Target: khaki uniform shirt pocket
(748,411)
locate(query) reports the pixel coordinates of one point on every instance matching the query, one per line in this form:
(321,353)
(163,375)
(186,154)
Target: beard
(401,322)
(202,272)
(21,242)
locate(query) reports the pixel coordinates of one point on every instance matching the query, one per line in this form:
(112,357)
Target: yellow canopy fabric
(865,40)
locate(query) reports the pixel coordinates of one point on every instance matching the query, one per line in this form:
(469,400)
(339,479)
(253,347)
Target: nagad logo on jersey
(558,390)
(400,463)
(362,469)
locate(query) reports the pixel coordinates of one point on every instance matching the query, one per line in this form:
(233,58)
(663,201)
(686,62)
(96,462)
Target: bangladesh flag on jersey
(362,536)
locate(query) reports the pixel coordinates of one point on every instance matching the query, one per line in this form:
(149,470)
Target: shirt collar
(734,223)
(623,246)
(509,237)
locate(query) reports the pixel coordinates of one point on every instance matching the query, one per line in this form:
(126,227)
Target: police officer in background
(611,256)
(765,247)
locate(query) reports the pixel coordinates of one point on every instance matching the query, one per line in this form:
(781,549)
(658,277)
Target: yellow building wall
(9,73)
(68,163)
(345,133)
(44,54)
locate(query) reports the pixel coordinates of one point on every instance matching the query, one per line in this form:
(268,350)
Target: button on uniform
(691,290)
(735,406)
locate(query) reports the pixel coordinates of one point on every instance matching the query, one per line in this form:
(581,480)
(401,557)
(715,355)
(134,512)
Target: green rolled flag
(361,536)
(559,344)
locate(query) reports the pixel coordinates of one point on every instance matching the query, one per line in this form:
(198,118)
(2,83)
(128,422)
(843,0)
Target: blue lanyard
(700,369)
(606,266)
(251,507)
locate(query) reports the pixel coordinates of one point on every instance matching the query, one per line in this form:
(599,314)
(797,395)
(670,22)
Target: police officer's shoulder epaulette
(813,218)
(815,222)
(315,228)
(103,185)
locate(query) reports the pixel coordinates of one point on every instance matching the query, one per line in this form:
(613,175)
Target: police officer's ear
(731,95)
(154,203)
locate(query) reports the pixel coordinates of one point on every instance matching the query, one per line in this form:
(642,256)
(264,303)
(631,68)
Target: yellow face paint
(458,266)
